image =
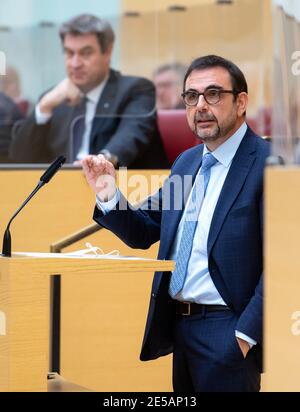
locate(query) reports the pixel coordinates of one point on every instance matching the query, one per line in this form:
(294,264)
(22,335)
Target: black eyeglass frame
(183,95)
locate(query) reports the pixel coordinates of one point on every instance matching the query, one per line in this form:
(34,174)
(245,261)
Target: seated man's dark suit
(235,248)
(9,114)
(124,124)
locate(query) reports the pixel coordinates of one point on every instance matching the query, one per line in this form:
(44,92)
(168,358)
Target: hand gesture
(64,92)
(100,175)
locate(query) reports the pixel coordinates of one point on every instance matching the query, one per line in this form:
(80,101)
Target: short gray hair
(87,23)
(179,68)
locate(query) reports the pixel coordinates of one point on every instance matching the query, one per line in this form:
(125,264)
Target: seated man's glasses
(211,96)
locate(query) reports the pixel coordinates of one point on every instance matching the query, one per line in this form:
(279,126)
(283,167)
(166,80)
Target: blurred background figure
(95,109)
(9,114)
(168,81)
(10,85)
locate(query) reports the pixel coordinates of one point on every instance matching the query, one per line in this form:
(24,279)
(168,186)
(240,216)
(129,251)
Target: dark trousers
(207,357)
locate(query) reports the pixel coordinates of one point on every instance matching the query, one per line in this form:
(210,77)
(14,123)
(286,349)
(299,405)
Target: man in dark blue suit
(208,312)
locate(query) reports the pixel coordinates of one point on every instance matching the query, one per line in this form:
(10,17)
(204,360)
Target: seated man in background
(94,110)
(10,84)
(168,80)
(9,114)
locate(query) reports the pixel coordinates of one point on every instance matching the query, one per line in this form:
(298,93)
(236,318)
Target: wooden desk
(25,307)
(100,341)
(57,383)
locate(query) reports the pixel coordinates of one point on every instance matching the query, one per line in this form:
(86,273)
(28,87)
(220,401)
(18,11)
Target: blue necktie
(190,224)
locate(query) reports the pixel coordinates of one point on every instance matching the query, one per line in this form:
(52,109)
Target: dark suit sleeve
(138,228)
(251,320)
(29,141)
(137,125)
(9,115)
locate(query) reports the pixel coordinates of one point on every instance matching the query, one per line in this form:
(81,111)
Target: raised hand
(100,175)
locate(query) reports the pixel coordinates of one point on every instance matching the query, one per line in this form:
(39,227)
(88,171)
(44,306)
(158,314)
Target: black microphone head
(52,169)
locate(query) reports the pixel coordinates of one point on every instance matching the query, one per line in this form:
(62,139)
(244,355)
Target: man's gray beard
(212,138)
(219,134)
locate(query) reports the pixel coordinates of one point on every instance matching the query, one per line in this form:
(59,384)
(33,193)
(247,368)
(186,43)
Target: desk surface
(57,383)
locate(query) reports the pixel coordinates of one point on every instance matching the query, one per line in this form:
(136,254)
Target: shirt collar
(94,94)
(225,153)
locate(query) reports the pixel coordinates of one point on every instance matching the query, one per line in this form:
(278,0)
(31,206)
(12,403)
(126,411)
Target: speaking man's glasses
(211,96)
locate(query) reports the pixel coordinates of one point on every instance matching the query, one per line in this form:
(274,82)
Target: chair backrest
(177,136)
(175,132)
(261,123)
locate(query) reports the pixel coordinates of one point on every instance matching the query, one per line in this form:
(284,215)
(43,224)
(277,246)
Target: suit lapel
(105,106)
(240,167)
(188,167)
(108,95)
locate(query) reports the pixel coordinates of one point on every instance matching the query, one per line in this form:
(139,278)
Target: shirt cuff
(41,118)
(106,207)
(241,335)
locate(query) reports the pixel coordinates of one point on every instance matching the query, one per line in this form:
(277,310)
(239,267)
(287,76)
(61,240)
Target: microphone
(45,178)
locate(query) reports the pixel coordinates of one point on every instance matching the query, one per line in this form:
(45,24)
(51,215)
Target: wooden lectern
(25,308)
(282,281)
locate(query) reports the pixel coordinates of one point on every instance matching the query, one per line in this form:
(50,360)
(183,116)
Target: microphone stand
(6,249)
(45,178)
